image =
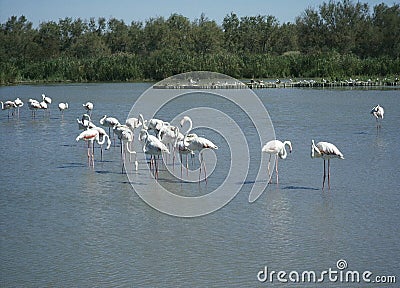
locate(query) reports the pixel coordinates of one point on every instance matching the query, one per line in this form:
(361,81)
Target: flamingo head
(314,150)
(289,145)
(184,119)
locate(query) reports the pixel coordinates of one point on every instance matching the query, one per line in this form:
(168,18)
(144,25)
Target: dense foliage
(339,39)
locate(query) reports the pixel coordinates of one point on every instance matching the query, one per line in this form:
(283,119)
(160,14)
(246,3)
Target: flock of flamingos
(167,138)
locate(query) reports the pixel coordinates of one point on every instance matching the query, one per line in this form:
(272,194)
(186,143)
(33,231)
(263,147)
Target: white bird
(127,136)
(277,148)
(378,112)
(18,103)
(124,133)
(102,135)
(195,143)
(109,122)
(169,135)
(7,105)
(46,99)
(119,128)
(133,123)
(88,107)
(326,151)
(179,145)
(90,136)
(62,106)
(43,105)
(154,123)
(34,105)
(85,122)
(152,146)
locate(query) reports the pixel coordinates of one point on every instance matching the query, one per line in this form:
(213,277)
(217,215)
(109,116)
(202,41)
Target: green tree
(207,36)
(230,26)
(117,36)
(386,22)
(49,40)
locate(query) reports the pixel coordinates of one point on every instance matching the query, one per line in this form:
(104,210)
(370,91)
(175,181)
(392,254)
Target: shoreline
(248,83)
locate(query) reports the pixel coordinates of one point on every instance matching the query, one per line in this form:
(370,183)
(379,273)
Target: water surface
(64,224)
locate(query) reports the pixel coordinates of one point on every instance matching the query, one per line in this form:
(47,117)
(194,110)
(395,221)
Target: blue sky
(46,10)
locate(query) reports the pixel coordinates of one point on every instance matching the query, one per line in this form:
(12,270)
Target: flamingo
(18,103)
(89,107)
(62,107)
(127,136)
(43,105)
(119,129)
(155,124)
(277,148)
(182,149)
(109,122)
(326,151)
(102,135)
(85,122)
(153,146)
(143,122)
(7,105)
(33,106)
(91,135)
(196,143)
(47,100)
(133,123)
(169,135)
(378,112)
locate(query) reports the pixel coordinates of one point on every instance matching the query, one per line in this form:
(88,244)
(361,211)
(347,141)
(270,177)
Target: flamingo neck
(315,153)
(189,129)
(176,136)
(129,150)
(283,153)
(143,122)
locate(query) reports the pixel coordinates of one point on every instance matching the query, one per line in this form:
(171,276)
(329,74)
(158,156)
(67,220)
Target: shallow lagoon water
(64,224)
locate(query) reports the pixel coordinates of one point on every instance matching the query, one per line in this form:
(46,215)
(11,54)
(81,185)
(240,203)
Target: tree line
(338,39)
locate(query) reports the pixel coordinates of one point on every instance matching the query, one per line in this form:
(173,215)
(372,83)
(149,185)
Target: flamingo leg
(329,174)
(122,156)
(88,152)
(93,155)
(205,170)
(269,175)
(136,163)
(156,168)
(130,156)
(323,181)
(151,162)
(187,165)
(276,169)
(173,158)
(201,164)
(180,157)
